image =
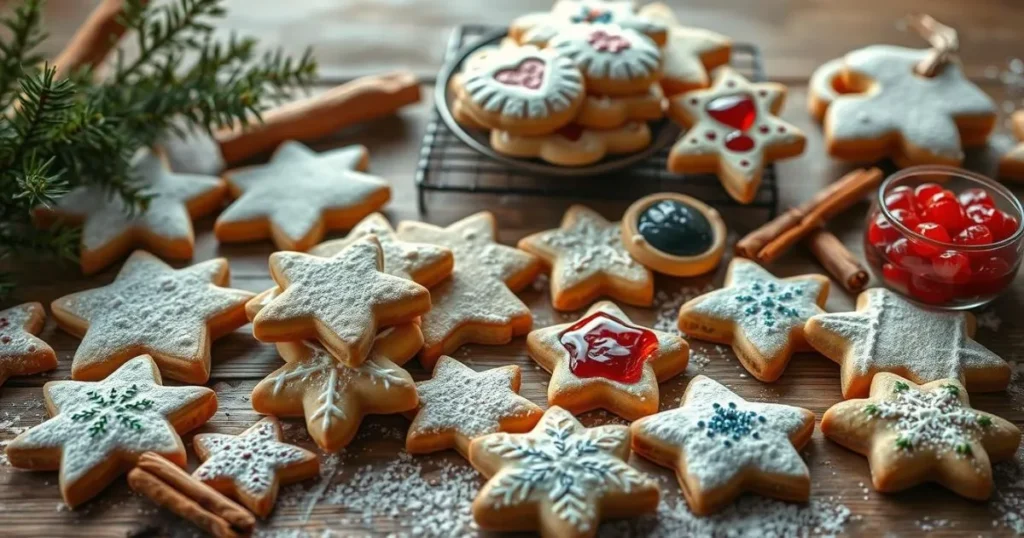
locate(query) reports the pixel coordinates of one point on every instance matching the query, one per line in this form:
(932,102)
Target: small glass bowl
(993,266)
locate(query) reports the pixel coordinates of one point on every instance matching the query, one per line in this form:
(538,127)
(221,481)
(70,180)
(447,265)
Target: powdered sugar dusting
(251,460)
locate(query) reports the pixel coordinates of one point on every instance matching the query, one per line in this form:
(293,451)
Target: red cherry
(929,291)
(881,232)
(895,276)
(991,276)
(906,217)
(983,214)
(940,196)
(952,266)
(946,212)
(975,196)
(900,254)
(931,231)
(1009,227)
(924,192)
(975,234)
(901,198)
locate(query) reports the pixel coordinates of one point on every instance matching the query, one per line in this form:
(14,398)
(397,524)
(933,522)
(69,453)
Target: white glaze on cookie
(524,82)
(539,28)
(21,351)
(822,82)
(608,51)
(683,53)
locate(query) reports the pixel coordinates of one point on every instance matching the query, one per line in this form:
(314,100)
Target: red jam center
(738,112)
(528,74)
(605,42)
(601,345)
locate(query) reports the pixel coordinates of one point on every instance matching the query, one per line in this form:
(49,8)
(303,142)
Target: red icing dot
(744,163)
(528,74)
(739,142)
(762,93)
(764,129)
(31,349)
(606,42)
(710,135)
(5,339)
(731,84)
(736,111)
(694,100)
(601,345)
(781,129)
(571,132)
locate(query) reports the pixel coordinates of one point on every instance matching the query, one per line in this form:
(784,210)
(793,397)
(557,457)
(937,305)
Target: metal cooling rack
(447,164)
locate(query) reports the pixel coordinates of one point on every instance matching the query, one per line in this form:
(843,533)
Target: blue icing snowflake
(771,302)
(731,423)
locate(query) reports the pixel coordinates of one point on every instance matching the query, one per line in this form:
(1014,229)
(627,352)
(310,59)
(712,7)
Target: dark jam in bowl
(675,228)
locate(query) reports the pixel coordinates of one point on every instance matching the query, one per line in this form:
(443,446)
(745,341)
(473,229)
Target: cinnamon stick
(94,39)
(768,242)
(943,39)
(171,487)
(842,264)
(318,116)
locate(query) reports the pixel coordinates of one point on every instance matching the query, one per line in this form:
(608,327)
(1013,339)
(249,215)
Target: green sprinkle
(904,443)
(963,449)
(871,409)
(901,387)
(952,389)
(984,421)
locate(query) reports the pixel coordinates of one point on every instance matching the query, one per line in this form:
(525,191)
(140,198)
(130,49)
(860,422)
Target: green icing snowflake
(119,407)
(771,302)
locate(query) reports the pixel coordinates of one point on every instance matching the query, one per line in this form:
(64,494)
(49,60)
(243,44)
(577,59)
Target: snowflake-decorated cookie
(458,405)
(761,316)
(912,434)
(734,131)
(888,110)
(614,60)
(588,260)
(21,352)
(342,301)
(605,361)
(888,333)
(99,429)
(539,28)
(721,445)
(171,314)
(606,112)
(253,465)
(560,479)
(689,53)
(111,229)
(525,90)
(300,195)
(334,397)
(477,304)
(1011,165)
(573,145)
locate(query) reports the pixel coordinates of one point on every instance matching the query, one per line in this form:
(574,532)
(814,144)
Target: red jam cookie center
(528,74)
(738,112)
(601,345)
(604,42)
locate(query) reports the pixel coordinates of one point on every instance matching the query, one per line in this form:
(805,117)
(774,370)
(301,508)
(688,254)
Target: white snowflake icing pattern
(935,419)
(250,460)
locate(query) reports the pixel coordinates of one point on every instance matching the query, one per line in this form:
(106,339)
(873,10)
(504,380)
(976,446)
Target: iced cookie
(674,234)
(342,301)
(99,429)
(761,316)
(299,196)
(539,28)
(110,229)
(825,85)
(888,333)
(560,479)
(171,314)
(458,405)
(734,131)
(689,53)
(1011,166)
(334,397)
(604,112)
(605,361)
(573,145)
(888,110)
(721,446)
(912,434)
(21,352)
(523,90)
(588,260)
(477,304)
(614,60)
(253,465)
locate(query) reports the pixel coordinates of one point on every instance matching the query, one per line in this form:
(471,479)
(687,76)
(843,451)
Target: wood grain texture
(357,37)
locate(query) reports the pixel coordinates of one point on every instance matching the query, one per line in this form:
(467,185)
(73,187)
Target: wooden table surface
(352,38)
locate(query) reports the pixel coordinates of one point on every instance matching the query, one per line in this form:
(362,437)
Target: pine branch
(25,34)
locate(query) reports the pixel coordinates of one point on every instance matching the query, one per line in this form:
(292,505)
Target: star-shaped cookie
(560,478)
(99,429)
(341,301)
(477,304)
(734,131)
(334,397)
(253,465)
(111,229)
(913,434)
(171,314)
(299,195)
(588,260)
(459,404)
(889,110)
(21,352)
(689,53)
(888,333)
(539,28)
(762,317)
(1011,165)
(721,446)
(604,360)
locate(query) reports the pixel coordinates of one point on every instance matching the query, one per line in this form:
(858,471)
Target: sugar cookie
(912,434)
(761,316)
(539,28)
(721,445)
(588,260)
(98,430)
(171,314)
(888,333)
(300,195)
(605,112)
(111,230)
(674,234)
(458,405)
(573,145)
(614,60)
(689,53)
(560,479)
(734,131)
(21,351)
(605,361)
(251,466)
(825,86)
(1011,165)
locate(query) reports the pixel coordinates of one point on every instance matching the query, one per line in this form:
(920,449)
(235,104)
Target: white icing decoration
(20,349)
(561,84)
(682,53)
(921,109)
(608,51)
(542,27)
(745,436)
(590,246)
(298,186)
(935,420)
(251,460)
(823,79)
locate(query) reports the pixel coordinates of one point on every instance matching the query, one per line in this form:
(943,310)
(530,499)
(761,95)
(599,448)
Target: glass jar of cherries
(944,237)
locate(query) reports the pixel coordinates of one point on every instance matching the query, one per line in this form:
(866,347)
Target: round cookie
(604,112)
(573,145)
(539,28)
(615,61)
(674,234)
